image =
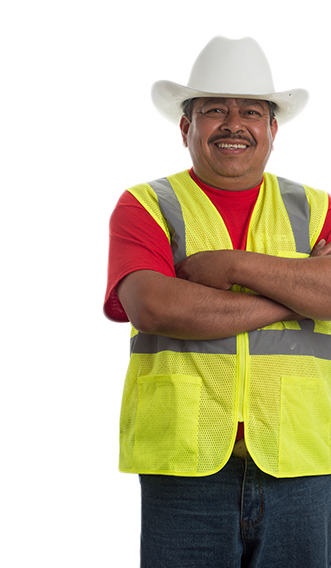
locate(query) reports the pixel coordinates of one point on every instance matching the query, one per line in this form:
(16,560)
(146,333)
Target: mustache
(231,138)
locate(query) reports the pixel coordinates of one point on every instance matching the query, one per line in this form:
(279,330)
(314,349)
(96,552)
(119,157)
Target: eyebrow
(254,101)
(223,100)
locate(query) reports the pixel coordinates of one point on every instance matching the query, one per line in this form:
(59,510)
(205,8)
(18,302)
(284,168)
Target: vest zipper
(242,341)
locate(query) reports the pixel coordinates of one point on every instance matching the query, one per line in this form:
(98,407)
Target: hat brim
(168,98)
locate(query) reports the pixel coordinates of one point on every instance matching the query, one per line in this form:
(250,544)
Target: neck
(225,185)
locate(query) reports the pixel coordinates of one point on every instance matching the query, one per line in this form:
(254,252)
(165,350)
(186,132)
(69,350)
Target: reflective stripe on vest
(143,343)
(172,211)
(297,207)
(261,342)
(291,341)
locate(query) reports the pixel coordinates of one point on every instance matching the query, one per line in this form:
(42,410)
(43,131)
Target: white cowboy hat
(228,68)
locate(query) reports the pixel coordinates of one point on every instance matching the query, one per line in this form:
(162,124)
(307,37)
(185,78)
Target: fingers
(321,249)
(319,245)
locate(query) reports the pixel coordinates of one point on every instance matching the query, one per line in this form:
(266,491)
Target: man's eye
(214,111)
(252,112)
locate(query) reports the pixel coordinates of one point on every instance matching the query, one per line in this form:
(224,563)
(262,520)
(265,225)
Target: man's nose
(232,122)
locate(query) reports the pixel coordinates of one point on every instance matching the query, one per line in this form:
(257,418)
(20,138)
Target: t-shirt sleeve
(136,242)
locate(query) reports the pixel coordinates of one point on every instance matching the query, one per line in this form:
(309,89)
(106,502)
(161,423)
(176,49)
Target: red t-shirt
(137,242)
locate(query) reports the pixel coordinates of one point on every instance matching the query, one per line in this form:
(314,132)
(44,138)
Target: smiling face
(230,141)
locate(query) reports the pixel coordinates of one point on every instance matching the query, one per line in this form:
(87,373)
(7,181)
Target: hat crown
(232,66)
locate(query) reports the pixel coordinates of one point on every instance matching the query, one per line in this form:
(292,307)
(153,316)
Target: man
(225,274)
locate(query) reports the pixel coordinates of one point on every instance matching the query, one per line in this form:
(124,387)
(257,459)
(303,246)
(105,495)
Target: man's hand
(321,249)
(209,268)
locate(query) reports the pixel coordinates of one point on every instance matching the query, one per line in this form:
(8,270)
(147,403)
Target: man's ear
(184,126)
(274,129)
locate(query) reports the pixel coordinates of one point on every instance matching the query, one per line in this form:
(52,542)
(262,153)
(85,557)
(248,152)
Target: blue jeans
(238,518)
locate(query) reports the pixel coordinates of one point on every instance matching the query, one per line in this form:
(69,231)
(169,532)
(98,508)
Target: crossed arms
(198,304)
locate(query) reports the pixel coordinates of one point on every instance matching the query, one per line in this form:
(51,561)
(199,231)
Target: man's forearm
(303,285)
(176,308)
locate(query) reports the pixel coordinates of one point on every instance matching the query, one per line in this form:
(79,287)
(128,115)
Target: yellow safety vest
(183,399)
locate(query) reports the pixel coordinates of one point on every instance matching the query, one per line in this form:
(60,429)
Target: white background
(77,128)
(139,145)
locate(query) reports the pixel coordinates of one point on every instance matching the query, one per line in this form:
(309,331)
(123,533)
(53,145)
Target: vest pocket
(166,437)
(305,427)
